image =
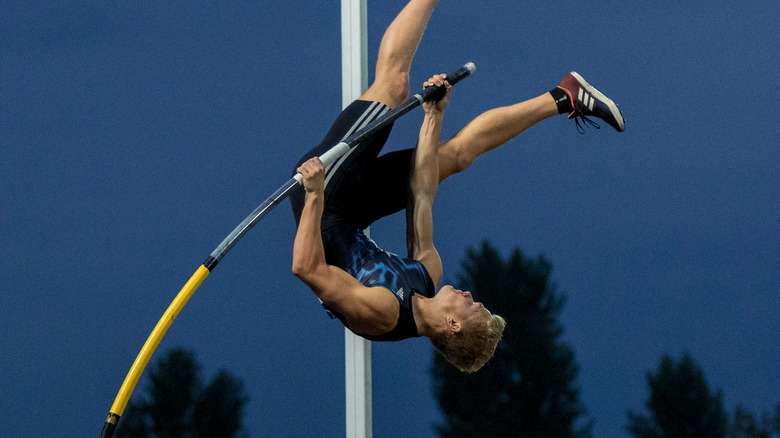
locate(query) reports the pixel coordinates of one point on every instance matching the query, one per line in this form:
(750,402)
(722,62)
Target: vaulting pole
(328,158)
(357,350)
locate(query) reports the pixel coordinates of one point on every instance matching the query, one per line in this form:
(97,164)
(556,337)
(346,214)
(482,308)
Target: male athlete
(379,295)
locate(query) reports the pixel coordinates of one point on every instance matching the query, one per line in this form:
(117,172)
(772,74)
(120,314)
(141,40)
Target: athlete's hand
(440,105)
(313,175)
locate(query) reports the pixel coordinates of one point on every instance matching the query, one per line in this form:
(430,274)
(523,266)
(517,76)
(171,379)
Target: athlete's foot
(588,101)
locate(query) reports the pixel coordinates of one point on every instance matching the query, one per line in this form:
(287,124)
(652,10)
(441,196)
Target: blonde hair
(470,348)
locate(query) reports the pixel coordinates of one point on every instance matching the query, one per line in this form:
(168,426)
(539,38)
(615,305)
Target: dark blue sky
(134,137)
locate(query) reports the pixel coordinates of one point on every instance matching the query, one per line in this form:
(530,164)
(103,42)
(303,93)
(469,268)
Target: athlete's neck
(424,311)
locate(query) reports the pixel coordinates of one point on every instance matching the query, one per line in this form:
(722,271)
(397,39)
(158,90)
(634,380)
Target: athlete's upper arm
(368,310)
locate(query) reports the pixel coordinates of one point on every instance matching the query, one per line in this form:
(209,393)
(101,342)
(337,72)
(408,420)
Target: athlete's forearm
(425,175)
(308,250)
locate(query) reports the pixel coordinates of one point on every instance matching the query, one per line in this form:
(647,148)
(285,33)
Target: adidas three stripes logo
(586,99)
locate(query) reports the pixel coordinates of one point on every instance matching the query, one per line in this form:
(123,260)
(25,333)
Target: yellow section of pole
(154,339)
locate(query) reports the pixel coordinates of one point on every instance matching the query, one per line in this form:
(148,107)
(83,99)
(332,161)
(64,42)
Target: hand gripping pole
(333,154)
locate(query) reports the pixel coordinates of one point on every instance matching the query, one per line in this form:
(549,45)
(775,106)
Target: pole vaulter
(328,158)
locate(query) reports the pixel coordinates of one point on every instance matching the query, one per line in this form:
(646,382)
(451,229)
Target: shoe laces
(586,122)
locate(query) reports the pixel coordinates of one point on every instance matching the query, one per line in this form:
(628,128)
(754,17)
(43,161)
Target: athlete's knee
(398,88)
(394,85)
(454,159)
(463,162)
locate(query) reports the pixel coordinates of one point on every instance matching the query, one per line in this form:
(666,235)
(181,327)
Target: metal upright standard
(357,351)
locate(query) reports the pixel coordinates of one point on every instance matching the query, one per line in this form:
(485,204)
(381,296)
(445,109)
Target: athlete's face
(462,303)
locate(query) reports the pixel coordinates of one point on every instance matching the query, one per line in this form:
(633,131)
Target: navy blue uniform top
(400,276)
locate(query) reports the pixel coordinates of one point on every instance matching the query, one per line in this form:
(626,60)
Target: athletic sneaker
(588,101)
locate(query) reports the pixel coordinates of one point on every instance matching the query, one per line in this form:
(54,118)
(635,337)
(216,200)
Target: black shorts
(361,187)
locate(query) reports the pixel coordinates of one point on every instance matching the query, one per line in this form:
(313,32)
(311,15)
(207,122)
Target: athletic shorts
(360,187)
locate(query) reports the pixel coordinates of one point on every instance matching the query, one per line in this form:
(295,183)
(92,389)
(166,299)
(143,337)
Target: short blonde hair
(470,348)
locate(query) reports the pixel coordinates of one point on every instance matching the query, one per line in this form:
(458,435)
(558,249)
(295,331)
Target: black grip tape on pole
(435,92)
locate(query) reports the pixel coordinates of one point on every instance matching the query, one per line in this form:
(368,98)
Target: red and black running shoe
(588,101)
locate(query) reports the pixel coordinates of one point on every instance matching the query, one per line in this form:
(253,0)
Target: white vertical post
(357,351)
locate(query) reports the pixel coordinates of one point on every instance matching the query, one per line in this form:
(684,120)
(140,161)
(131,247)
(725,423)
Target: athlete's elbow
(300,268)
(306,268)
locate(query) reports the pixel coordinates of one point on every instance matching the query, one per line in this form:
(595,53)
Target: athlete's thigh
(386,185)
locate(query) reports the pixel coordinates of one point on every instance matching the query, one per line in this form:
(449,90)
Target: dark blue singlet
(403,277)
(361,188)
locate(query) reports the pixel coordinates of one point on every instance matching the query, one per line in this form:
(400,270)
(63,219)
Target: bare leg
(398,46)
(490,130)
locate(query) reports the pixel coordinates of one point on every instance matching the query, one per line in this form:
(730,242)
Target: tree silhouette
(220,409)
(177,404)
(681,404)
(745,425)
(527,389)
